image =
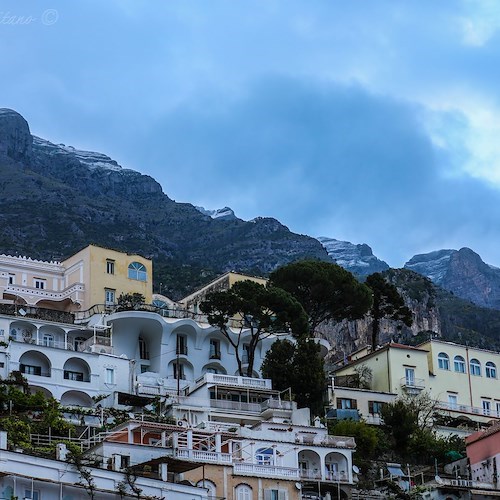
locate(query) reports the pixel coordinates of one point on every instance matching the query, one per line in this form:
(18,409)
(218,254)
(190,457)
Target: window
(452,401)
(110,376)
(410,376)
(243,492)
(244,358)
(32,494)
(179,371)
(475,367)
(375,407)
(31,370)
(208,485)
(109,296)
(264,456)
(144,368)
(346,404)
(75,376)
(486,407)
(110,266)
(275,495)
(214,349)
(39,283)
(491,370)
(78,343)
(181,346)
(143,349)
(12,279)
(497,408)
(137,271)
(459,364)
(331,470)
(47,340)
(443,361)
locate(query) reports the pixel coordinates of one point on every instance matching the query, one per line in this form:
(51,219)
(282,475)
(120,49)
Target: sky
(374,122)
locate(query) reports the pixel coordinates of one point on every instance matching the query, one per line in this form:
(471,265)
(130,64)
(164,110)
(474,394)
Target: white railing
(203,456)
(278,404)
(413,383)
(218,426)
(48,294)
(244,468)
(235,405)
(332,441)
(441,405)
(234,380)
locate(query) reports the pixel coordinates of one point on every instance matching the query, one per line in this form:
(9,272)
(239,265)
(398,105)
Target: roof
(447,342)
(477,436)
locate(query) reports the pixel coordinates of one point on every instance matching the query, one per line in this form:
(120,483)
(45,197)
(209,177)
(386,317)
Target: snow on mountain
(433,265)
(358,259)
(220,213)
(89,159)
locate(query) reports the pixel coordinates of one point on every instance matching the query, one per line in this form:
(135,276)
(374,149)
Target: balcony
(246,469)
(278,404)
(235,406)
(412,385)
(40,293)
(182,350)
(203,456)
(214,354)
(38,313)
(475,410)
(235,381)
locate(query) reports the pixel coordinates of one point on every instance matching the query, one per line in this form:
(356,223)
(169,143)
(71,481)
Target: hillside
(55,199)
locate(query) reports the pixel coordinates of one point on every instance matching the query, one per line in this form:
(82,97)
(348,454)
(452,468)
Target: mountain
(358,259)
(436,312)
(55,199)
(225,213)
(462,272)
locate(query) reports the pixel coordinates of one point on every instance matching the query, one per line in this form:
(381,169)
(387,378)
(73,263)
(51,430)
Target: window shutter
(339,404)
(267,495)
(354,404)
(370,407)
(282,495)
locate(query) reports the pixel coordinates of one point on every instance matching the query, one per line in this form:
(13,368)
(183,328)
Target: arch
(243,492)
(309,464)
(35,363)
(35,389)
(214,368)
(209,486)
(459,364)
(16,299)
(23,331)
(137,271)
(475,367)
(57,305)
(77,370)
(443,361)
(184,370)
(76,398)
(254,373)
(50,335)
(491,370)
(336,467)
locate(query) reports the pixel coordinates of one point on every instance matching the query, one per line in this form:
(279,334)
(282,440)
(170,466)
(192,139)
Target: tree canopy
(325,290)
(387,303)
(300,368)
(255,311)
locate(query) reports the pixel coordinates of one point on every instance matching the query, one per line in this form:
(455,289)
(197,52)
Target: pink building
(483,452)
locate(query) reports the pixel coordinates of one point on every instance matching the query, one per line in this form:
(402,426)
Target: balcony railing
(247,469)
(233,380)
(37,313)
(476,410)
(413,383)
(235,405)
(203,456)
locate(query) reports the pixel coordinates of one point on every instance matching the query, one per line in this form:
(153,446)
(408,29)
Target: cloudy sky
(368,121)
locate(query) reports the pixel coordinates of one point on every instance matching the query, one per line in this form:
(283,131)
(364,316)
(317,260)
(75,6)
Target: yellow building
(108,273)
(92,276)
(225,282)
(462,380)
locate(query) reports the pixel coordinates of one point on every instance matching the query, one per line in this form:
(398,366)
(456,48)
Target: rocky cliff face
(358,259)
(225,213)
(462,272)
(436,312)
(55,199)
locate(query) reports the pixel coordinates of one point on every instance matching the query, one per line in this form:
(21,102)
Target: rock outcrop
(358,259)
(462,272)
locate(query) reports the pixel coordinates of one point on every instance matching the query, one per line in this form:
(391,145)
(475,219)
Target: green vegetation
(300,368)
(325,290)
(259,310)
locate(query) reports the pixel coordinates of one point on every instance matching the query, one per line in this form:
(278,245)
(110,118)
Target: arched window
(443,361)
(475,367)
(243,492)
(137,271)
(459,364)
(491,370)
(208,485)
